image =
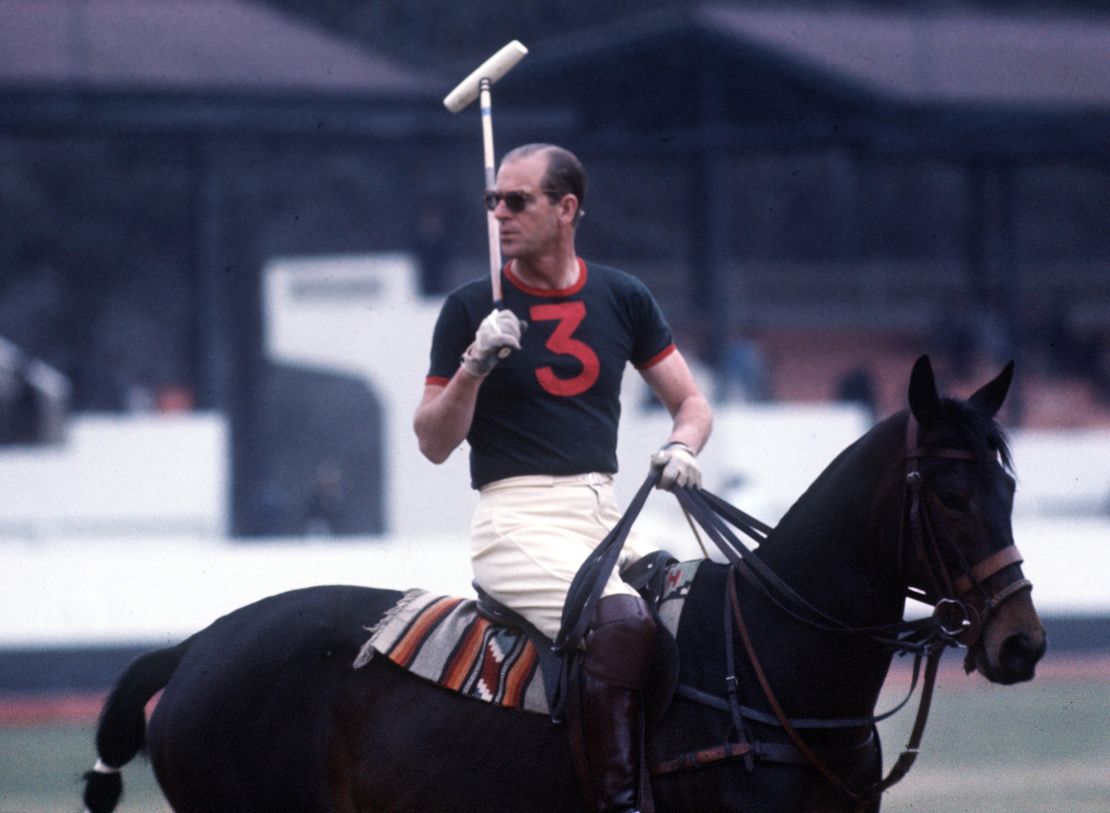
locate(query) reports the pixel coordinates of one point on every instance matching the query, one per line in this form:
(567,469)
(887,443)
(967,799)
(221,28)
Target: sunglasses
(515,202)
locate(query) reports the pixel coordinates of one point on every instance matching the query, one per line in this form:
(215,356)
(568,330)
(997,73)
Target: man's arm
(443,418)
(677,462)
(674,385)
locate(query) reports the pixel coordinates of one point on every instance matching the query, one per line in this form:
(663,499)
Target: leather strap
(591,577)
(782,752)
(706,756)
(768,693)
(909,754)
(831,723)
(987,568)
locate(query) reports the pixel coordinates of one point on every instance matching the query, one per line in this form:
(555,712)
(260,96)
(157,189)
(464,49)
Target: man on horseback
(540,408)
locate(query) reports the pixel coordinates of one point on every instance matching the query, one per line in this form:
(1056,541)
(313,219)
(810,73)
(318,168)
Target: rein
(961,610)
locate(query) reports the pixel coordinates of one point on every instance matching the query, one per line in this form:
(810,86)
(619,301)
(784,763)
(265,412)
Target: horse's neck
(837,546)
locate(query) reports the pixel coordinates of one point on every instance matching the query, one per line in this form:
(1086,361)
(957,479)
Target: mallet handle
(492,227)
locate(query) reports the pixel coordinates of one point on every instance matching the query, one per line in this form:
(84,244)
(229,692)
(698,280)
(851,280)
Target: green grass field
(41,768)
(1031,748)
(1038,747)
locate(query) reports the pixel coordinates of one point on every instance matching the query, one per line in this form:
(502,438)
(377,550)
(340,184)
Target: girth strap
(782,752)
(706,756)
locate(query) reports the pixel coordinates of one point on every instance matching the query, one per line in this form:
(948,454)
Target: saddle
(484,650)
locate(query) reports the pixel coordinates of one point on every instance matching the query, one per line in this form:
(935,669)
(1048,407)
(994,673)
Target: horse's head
(958,548)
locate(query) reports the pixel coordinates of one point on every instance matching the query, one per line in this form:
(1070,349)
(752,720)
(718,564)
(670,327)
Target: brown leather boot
(615,664)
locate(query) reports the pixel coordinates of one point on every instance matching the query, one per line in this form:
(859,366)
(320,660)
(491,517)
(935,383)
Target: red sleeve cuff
(658,357)
(436,381)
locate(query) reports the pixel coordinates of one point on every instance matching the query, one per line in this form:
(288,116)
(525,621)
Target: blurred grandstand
(816,195)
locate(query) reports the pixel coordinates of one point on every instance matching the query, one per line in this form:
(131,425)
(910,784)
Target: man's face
(534,231)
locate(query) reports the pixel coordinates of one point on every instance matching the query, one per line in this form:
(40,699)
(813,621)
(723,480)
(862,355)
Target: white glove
(680,467)
(498,335)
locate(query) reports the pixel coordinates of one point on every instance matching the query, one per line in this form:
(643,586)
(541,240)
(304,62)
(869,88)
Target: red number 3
(569,315)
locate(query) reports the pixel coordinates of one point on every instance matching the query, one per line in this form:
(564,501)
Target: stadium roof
(961,56)
(197,66)
(733,77)
(175,45)
(951,80)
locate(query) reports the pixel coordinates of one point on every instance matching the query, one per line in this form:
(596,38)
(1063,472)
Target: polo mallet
(469,89)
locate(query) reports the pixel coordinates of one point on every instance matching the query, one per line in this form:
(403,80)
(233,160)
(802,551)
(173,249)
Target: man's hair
(565,174)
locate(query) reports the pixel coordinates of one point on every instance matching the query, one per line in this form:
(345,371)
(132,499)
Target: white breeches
(529,536)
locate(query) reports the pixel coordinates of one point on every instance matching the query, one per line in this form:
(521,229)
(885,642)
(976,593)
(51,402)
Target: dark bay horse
(261,711)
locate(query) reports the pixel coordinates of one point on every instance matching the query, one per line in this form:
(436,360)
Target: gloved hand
(498,335)
(680,467)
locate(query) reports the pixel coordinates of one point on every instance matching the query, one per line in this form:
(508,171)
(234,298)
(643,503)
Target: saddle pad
(445,640)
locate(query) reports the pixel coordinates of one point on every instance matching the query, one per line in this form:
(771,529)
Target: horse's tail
(121,732)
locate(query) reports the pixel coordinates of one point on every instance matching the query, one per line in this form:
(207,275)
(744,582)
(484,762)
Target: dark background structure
(816,193)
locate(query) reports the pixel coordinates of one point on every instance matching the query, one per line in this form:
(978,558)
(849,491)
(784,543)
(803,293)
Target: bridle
(962,607)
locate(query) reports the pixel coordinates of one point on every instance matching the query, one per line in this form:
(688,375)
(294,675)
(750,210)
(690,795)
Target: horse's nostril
(1018,657)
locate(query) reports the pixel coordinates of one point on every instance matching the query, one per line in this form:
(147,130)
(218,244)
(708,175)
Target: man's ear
(568,208)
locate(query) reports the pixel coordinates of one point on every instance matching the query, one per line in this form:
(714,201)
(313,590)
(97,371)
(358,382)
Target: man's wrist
(475,363)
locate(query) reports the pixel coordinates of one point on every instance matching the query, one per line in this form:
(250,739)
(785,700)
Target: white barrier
(1062,473)
(152,591)
(118,475)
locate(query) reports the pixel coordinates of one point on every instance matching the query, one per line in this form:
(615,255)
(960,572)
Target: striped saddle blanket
(445,640)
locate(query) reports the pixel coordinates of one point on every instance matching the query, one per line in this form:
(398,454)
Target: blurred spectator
(1101,370)
(32,304)
(34,399)
(268,509)
(431,249)
(744,373)
(968,335)
(992,336)
(140,397)
(325,504)
(857,386)
(175,398)
(954,338)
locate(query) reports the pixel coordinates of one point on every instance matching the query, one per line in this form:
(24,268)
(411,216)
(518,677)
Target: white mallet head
(492,69)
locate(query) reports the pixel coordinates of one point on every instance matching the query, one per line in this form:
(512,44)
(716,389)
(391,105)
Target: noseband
(962,605)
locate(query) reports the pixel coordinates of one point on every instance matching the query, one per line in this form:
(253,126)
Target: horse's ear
(990,396)
(924,398)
